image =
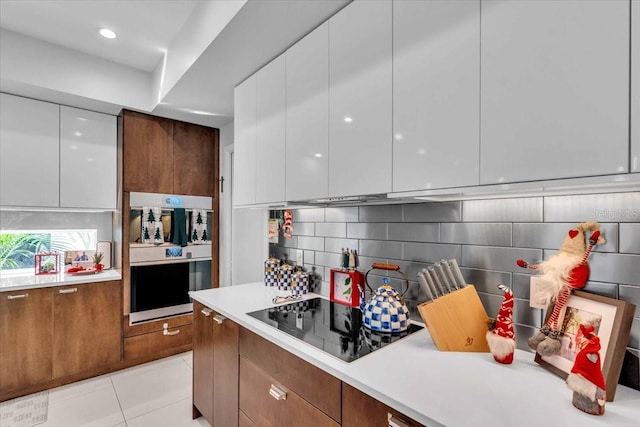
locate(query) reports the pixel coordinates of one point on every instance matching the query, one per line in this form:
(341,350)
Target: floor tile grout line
(118,399)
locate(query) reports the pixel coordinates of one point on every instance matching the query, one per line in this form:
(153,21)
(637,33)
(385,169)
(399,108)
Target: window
(17,247)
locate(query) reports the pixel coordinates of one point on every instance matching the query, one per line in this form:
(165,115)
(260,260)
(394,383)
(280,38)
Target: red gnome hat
(501,339)
(587,364)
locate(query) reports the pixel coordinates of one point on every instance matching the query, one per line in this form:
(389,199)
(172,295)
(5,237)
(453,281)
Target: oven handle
(171,333)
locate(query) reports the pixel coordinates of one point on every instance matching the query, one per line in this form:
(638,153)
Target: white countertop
(434,387)
(10,282)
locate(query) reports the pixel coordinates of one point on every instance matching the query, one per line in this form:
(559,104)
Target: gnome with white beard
(566,271)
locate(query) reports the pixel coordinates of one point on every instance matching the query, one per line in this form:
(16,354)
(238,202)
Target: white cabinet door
(29,150)
(88,159)
(554,89)
(635,86)
(308,117)
(360,79)
(270,132)
(244,156)
(436,94)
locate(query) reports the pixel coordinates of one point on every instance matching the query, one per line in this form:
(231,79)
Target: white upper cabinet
(555,89)
(360,101)
(635,86)
(436,94)
(307,150)
(244,155)
(270,132)
(29,150)
(88,159)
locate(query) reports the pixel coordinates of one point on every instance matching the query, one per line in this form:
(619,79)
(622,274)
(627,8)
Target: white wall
(243,232)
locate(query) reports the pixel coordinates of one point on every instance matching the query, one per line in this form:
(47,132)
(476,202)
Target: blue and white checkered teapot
(386,310)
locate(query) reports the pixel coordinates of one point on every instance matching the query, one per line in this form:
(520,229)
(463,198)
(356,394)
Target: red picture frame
(344,286)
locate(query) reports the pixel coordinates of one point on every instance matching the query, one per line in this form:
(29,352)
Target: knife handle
(457,273)
(425,286)
(436,280)
(449,274)
(382,266)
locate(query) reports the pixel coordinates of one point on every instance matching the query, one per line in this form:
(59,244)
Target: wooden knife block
(457,321)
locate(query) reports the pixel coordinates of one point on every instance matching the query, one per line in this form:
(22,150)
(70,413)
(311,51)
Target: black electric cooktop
(334,328)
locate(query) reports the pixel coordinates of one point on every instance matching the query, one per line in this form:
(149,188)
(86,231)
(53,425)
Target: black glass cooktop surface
(334,328)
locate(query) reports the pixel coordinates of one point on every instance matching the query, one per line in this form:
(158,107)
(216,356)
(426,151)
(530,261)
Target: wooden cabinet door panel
(360,409)
(87,325)
(193,159)
(225,372)
(148,153)
(203,360)
(245,421)
(157,343)
(257,403)
(26,338)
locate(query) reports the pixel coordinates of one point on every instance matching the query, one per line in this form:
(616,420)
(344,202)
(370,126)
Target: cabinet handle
(396,422)
(277,393)
(206,312)
(21,296)
(219,318)
(171,333)
(68,291)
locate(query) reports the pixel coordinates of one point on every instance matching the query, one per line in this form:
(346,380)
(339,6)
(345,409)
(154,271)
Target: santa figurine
(564,272)
(501,339)
(586,379)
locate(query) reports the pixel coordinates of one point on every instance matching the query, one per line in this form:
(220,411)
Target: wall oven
(161,274)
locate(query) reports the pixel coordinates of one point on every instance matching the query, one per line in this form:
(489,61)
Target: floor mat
(25,411)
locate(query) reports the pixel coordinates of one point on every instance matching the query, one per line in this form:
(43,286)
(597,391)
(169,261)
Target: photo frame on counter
(343,286)
(611,319)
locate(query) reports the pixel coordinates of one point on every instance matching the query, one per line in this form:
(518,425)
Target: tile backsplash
(486,237)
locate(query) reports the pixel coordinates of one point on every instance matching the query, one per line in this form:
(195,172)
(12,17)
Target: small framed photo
(344,286)
(611,319)
(78,258)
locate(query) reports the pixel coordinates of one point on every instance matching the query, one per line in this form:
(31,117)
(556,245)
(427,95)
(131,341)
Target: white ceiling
(174,58)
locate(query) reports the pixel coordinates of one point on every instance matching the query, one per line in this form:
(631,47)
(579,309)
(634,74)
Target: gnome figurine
(501,339)
(565,272)
(586,379)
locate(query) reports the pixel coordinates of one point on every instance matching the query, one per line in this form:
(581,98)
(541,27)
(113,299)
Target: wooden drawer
(360,409)
(314,385)
(155,343)
(245,421)
(156,325)
(265,410)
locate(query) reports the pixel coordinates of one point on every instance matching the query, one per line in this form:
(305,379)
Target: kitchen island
(430,386)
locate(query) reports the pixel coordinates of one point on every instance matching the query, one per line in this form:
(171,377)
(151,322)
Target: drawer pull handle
(21,296)
(206,312)
(219,319)
(68,291)
(277,393)
(396,422)
(171,333)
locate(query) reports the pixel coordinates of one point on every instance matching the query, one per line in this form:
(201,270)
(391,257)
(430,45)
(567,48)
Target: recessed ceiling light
(107,33)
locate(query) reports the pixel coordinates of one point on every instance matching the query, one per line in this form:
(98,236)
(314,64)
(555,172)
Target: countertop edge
(61,279)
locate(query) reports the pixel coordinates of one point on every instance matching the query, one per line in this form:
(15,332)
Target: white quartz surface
(10,282)
(434,387)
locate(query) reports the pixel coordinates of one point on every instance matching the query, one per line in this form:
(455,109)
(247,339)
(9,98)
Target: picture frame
(612,320)
(343,287)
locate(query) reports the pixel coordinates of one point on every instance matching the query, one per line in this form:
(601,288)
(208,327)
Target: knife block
(457,321)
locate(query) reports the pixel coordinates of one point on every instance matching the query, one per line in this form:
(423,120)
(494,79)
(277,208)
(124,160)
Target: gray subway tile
(413,232)
(289,243)
(309,257)
(326,259)
(612,207)
(329,229)
(381,249)
(503,210)
(634,339)
(496,258)
(341,214)
(309,215)
(337,245)
(520,285)
(491,303)
(489,234)
(609,290)
(522,335)
(630,294)
(363,230)
(430,252)
(304,228)
(311,243)
(525,315)
(432,212)
(615,268)
(388,213)
(486,280)
(551,235)
(630,238)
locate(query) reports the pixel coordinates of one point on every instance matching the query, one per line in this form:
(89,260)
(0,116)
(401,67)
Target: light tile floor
(156,394)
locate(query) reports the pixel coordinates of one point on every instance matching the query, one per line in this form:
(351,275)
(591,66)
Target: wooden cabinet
(87,324)
(88,159)
(360,409)
(270,132)
(215,367)
(307,123)
(635,86)
(244,156)
(167,156)
(360,100)
(436,94)
(158,338)
(29,152)
(555,89)
(26,338)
